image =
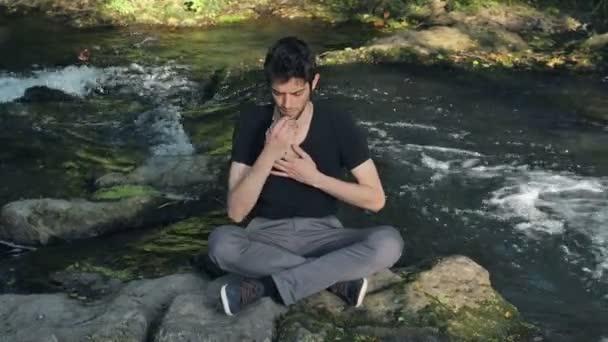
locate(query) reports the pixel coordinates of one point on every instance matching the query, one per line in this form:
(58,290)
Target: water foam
(447,150)
(544,202)
(157,82)
(382,141)
(537,202)
(399,124)
(163,85)
(73,80)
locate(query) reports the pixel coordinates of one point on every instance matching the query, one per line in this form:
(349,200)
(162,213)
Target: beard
(295,114)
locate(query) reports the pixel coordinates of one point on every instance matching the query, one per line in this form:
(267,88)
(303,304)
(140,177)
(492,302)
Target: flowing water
(497,166)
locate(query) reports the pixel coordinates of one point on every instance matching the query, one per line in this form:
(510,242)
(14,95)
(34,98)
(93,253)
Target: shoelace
(249,291)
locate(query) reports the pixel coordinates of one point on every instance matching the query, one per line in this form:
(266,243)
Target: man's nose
(286,101)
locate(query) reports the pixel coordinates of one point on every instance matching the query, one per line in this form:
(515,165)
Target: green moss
(86,267)
(492,321)
(188,236)
(472,5)
(149,253)
(214,136)
(217,108)
(124,191)
(106,160)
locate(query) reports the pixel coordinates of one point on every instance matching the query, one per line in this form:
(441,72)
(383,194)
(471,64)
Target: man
(285,172)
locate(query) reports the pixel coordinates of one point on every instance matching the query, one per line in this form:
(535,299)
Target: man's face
(292,96)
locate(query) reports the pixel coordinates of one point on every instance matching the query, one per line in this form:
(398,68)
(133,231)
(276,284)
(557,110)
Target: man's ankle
(270,289)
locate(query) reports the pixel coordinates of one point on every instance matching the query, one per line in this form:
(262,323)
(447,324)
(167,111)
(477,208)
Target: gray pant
(304,255)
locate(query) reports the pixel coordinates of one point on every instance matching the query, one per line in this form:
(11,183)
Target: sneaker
(352,292)
(237,294)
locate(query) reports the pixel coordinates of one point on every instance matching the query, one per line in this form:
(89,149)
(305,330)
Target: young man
(287,161)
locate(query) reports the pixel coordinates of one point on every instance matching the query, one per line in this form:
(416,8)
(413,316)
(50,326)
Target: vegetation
(203,12)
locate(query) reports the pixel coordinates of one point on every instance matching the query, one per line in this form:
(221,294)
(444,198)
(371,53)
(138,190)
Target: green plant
(209,7)
(124,7)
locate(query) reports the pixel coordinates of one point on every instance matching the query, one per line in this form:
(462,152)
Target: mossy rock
(125,191)
(453,300)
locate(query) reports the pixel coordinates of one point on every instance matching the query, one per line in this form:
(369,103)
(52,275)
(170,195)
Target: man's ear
(315,81)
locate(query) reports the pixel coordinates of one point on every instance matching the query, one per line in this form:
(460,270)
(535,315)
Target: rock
(41,221)
(383,280)
(496,38)
(199,317)
(435,39)
(456,292)
(595,109)
(522,19)
(88,284)
(453,300)
(193,318)
(182,305)
(127,317)
(597,41)
(169,172)
(41,94)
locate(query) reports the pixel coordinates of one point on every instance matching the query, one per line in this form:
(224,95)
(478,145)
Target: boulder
(451,301)
(129,316)
(435,39)
(42,94)
(41,221)
(173,308)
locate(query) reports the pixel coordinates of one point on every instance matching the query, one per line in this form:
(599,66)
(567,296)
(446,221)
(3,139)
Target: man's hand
(280,136)
(301,168)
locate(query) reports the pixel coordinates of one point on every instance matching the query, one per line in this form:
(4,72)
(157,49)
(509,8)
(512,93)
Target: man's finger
(284,162)
(277,125)
(280,167)
(300,152)
(285,123)
(280,174)
(289,158)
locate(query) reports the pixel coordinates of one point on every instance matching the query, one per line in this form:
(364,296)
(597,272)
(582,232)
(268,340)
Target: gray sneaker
(238,293)
(352,292)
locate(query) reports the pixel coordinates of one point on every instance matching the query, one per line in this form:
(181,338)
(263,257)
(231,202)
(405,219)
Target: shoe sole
(224,298)
(362,293)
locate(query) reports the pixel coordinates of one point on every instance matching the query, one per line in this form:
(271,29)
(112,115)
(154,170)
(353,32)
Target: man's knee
(388,246)
(225,245)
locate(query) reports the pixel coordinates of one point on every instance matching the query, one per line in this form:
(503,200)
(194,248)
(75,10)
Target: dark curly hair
(289,57)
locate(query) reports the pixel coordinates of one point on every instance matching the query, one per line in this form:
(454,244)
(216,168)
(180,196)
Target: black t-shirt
(333,141)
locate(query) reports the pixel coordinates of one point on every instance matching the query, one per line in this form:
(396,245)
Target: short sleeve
(352,141)
(247,138)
